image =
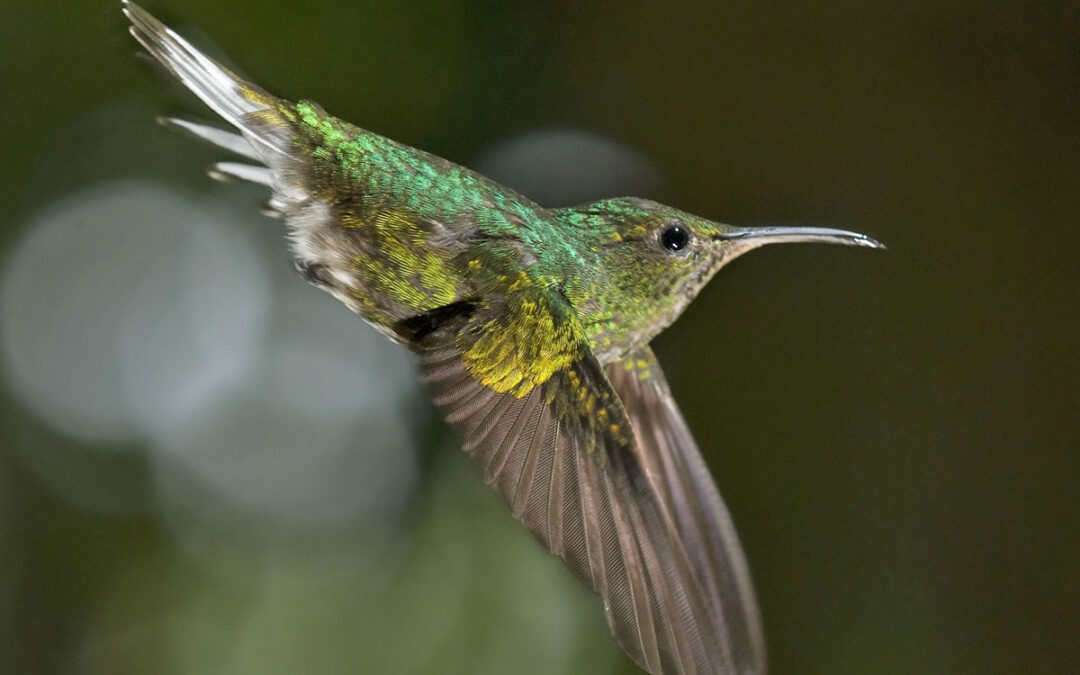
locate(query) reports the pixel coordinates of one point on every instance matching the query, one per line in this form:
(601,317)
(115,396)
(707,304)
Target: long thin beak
(744,239)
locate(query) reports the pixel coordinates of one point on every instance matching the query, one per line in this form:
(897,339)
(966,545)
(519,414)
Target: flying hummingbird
(532,329)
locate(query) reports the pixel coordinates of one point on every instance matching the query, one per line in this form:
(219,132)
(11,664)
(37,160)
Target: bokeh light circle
(121,303)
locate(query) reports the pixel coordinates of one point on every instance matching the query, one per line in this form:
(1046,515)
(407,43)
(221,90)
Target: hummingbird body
(531,326)
(395,232)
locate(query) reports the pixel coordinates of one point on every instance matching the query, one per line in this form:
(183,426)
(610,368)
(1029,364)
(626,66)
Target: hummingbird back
(392,231)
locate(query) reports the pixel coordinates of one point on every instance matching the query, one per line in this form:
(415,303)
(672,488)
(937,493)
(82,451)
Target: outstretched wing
(539,414)
(685,487)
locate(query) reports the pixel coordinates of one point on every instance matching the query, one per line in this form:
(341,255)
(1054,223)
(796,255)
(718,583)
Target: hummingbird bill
(531,326)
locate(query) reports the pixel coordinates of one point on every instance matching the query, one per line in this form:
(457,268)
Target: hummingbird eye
(675,238)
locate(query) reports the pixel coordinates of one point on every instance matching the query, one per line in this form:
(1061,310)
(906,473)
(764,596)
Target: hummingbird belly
(380,262)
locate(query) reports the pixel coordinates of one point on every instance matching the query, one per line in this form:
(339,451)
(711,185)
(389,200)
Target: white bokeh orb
(122,303)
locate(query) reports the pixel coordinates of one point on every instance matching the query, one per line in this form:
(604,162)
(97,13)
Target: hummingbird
(531,326)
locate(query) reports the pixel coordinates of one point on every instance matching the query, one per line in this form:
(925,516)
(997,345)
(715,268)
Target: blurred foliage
(896,434)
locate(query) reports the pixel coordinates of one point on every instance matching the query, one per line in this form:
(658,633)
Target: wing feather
(578,479)
(686,488)
(551,510)
(519,496)
(636,568)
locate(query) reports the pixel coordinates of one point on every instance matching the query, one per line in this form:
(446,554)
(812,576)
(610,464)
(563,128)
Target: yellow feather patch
(404,269)
(522,348)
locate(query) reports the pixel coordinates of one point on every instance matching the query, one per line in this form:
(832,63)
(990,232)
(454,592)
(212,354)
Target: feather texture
(240,171)
(679,475)
(219,137)
(225,93)
(588,494)
(263,134)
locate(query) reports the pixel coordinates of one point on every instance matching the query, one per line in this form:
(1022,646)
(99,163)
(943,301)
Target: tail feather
(248,172)
(219,137)
(217,86)
(264,135)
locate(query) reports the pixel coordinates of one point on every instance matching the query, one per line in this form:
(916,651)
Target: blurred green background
(208,467)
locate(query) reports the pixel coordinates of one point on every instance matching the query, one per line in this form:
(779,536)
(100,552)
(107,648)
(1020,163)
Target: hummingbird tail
(264,136)
(222,138)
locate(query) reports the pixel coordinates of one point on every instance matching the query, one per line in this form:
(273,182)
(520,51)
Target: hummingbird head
(654,259)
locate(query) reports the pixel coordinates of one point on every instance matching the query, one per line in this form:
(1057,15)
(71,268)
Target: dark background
(895,433)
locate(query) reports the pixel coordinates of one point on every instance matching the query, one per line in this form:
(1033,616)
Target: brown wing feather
(688,492)
(576,479)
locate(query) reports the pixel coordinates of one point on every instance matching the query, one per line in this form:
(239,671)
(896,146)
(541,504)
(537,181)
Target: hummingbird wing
(540,415)
(686,489)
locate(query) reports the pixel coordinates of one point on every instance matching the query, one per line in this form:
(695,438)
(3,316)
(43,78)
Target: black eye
(675,238)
